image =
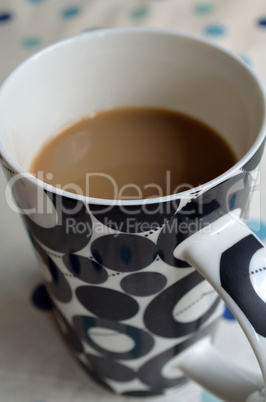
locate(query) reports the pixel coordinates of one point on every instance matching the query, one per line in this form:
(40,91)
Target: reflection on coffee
(133,153)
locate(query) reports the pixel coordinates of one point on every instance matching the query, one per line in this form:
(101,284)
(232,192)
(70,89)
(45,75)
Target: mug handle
(233,260)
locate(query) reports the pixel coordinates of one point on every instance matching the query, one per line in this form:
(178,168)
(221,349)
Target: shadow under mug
(133,281)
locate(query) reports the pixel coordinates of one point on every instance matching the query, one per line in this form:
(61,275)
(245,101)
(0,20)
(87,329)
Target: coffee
(133,153)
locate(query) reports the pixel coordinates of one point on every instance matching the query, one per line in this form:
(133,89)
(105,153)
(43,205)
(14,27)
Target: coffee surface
(133,153)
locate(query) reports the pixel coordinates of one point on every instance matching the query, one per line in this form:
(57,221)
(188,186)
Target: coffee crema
(133,153)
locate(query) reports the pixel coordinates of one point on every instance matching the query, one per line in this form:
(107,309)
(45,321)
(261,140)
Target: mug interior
(106,69)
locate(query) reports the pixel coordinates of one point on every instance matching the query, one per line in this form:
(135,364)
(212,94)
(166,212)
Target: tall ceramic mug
(127,277)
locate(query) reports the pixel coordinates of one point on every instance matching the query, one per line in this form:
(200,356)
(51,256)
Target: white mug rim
(135,202)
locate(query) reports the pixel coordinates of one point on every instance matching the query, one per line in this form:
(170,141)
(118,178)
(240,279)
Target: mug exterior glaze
(129,303)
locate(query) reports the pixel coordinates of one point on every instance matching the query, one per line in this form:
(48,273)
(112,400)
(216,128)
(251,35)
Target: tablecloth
(35,363)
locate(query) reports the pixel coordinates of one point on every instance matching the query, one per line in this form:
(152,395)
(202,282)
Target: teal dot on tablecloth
(36,1)
(246,59)
(31,41)
(5,16)
(232,201)
(41,299)
(215,30)
(207,397)
(70,12)
(203,8)
(138,12)
(262,22)
(31,239)
(258,227)
(92,29)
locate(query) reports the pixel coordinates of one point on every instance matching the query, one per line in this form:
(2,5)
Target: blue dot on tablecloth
(203,8)
(70,12)
(262,21)
(215,30)
(258,227)
(138,12)
(41,299)
(207,397)
(5,16)
(227,315)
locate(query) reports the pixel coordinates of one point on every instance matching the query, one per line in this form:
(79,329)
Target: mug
(136,284)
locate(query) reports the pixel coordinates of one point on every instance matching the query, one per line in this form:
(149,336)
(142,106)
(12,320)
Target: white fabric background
(35,364)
